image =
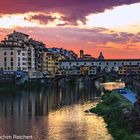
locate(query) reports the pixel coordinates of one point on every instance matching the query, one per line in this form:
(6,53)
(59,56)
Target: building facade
(52,56)
(39,49)
(91,67)
(17,53)
(50,62)
(129,69)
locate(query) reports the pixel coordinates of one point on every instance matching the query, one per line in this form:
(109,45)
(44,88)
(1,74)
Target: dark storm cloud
(43,19)
(73,10)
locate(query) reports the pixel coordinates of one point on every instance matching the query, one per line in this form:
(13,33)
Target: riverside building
(52,56)
(91,67)
(18,53)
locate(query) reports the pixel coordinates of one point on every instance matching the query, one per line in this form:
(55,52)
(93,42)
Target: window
(122,63)
(23,54)
(78,68)
(130,63)
(18,63)
(84,63)
(92,63)
(99,63)
(24,68)
(18,58)
(11,58)
(11,64)
(70,63)
(5,64)
(107,63)
(23,63)
(114,63)
(5,53)
(138,63)
(5,59)
(18,53)
(24,59)
(11,53)
(77,63)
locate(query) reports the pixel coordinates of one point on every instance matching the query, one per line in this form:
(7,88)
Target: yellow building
(128,69)
(50,62)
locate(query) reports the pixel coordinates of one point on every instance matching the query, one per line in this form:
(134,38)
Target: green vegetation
(111,108)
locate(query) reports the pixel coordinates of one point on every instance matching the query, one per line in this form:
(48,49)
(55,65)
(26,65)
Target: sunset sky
(110,26)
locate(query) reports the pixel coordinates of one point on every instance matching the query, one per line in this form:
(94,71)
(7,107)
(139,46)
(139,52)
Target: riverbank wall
(119,114)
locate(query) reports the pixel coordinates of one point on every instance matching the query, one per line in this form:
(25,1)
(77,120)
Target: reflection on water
(113,85)
(52,113)
(73,123)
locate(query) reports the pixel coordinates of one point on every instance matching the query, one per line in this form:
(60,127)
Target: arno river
(52,113)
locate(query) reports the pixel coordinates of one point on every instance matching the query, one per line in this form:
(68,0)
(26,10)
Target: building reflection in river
(52,113)
(38,102)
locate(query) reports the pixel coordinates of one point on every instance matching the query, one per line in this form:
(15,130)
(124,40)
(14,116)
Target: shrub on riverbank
(111,108)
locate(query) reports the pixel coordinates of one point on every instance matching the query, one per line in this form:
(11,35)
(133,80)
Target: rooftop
(15,32)
(96,60)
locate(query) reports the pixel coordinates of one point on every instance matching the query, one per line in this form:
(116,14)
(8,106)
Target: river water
(52,113)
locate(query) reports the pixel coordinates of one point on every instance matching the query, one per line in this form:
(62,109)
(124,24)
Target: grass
(111,108)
